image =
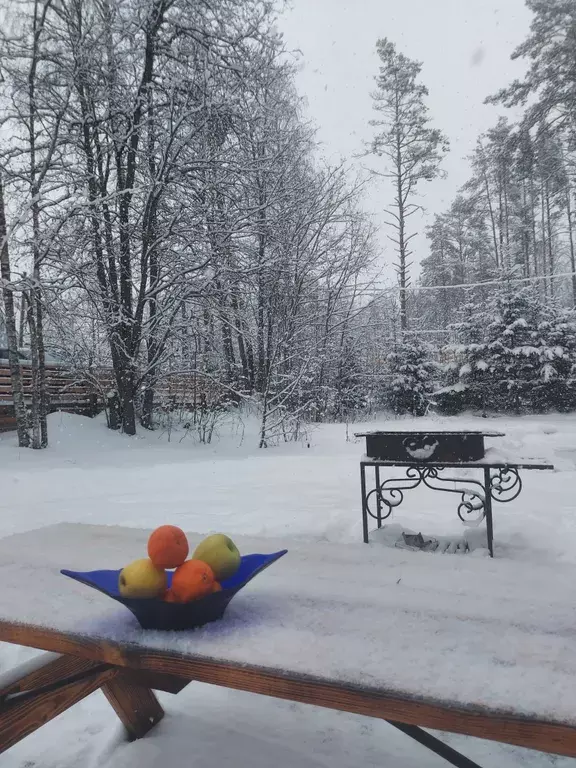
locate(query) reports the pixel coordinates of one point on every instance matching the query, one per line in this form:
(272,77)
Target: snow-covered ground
(307,491)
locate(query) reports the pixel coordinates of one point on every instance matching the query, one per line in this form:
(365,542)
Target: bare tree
(36,102)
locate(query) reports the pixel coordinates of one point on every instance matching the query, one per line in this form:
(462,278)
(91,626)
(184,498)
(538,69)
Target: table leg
(488,511)
(364,503)
(435,745)
(378,497)
(37,692)
(136,706)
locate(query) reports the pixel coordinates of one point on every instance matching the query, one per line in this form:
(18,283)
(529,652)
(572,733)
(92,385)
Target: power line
(498,281)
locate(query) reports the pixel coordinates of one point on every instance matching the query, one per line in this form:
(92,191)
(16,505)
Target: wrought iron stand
(500,482)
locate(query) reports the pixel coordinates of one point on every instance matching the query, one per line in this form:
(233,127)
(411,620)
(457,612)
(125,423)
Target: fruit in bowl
(168,546)
(145,589)
(215,559)
(221,554)
(191,581)
(142,579)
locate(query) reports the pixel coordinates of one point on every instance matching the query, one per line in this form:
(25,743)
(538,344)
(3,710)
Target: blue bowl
(158,614)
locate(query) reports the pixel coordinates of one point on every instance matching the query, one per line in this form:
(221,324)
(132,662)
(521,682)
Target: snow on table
(494,634)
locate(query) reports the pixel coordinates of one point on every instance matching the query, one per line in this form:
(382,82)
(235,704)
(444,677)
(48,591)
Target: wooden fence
(74,393)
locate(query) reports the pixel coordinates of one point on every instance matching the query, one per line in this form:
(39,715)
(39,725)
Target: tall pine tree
(412,148)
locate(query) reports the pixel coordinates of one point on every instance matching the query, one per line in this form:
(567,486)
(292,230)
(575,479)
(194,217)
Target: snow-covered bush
(452,399)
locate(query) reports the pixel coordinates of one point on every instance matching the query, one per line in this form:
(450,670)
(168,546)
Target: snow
(458,387)
(465,369)
(306,499)
(422,453)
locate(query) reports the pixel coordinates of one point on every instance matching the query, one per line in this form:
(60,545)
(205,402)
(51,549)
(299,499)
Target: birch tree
(11,332)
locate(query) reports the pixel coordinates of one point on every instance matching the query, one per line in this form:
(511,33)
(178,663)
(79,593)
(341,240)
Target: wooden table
(328,625)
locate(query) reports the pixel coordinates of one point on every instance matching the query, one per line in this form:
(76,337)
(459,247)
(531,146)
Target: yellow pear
(221,554)
(142,579)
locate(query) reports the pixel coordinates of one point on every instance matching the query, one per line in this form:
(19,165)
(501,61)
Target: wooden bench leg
(48,693)
(136,706)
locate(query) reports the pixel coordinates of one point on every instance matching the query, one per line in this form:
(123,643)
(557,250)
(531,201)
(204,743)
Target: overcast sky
(465,47)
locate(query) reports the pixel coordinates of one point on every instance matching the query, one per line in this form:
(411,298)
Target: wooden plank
(67,390)
(495,725)
(7,423)
(53,394)
(156,680)
(52,386)
(22,718)
(43,670)
(136,706)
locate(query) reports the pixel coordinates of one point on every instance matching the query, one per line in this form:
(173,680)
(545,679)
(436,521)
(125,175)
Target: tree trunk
(534,229)
(401,238)
(251,364)
(35,372)
(550,242)
(23,315)
(152,342)
(39,395)
(227,345)
(39,386)
(147,418)
(11,333)
(503,262)
(492,218)
(150,248)
(525,236)
(126,380)
(264,423)
(247,371)
(261,311)
(571,240)
(543,234)
(506,218)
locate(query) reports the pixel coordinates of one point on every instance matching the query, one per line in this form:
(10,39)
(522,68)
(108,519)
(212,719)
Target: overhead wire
(375,290)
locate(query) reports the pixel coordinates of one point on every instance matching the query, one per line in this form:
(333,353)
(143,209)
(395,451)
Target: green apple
(142,579)
(221,554)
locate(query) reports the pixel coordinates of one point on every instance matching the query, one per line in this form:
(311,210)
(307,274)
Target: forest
(164,210)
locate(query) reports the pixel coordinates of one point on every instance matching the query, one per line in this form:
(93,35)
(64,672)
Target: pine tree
(548,93)
(550,82)
(469,366)
(412,148)
(349,395)
(459,254)
(413,373)
(516,353)
(557,386)
(513,348)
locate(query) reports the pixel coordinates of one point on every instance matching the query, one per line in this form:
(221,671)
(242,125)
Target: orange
(192,580)
(168,546)
(216,587)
